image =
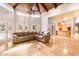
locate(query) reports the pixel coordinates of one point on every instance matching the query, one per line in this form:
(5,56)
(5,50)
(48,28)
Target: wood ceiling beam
(55,5)
(15,5)
(44,7)
(31,6)
(38,7)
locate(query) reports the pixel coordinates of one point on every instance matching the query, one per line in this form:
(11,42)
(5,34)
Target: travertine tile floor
(57,46)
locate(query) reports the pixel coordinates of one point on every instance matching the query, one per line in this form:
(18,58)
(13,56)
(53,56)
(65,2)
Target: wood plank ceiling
(34,7)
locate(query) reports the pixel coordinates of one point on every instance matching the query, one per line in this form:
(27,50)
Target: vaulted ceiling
(34,7)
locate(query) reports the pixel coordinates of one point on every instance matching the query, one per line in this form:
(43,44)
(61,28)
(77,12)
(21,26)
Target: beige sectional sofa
(25,36)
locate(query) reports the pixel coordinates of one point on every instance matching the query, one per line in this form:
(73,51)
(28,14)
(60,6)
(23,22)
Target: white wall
(7,18)
(51,23)
(44,22)
(77,19)
(19,22)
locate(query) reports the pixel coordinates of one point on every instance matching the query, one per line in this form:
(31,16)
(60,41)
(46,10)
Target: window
(2,27)
(20,27)
(25,27)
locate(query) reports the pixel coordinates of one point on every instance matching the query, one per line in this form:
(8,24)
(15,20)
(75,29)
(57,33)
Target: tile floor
(57,46)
